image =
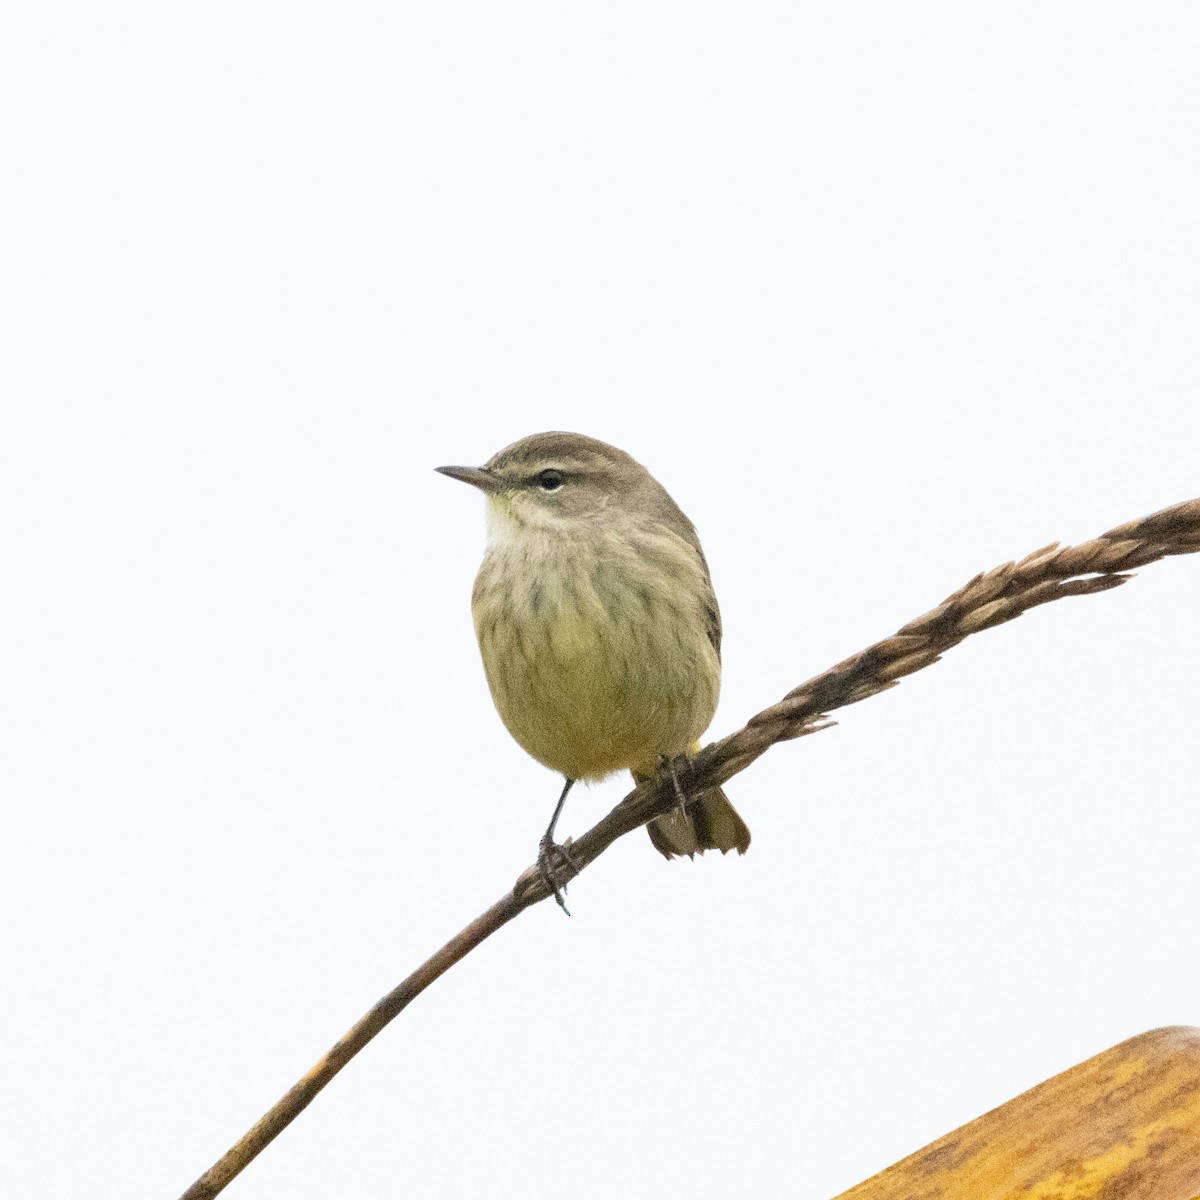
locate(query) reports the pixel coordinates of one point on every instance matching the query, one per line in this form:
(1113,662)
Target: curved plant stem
(989,599)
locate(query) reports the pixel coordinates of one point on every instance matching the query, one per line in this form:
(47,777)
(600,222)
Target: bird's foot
(555,867)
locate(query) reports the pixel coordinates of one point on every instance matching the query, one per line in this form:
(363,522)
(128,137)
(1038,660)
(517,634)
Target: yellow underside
(590,684)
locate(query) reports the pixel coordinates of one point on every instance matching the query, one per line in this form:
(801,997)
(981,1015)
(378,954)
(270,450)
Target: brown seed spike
(909,664)
(990,614)
(1039,567)
(1041,593)
(1143,553)
(1089,587)
(988,587)
(1074,559)
(804,729)
(785,710)
(1178,519)
(1113,555)
(898,646)
(954,597)
(1045,551)
(926,621)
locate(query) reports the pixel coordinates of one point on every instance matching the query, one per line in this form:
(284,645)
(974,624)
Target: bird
(599,629)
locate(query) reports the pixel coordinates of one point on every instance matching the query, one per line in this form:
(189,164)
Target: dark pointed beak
(478,477)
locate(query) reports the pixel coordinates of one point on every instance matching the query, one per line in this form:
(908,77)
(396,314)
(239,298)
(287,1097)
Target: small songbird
(598,627)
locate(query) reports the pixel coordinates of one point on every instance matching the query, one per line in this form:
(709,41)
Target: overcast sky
(884,294)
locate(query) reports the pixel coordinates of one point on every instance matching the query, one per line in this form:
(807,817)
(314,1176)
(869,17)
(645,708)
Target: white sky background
(884,294)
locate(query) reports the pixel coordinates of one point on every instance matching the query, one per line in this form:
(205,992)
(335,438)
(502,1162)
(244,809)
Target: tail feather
(712,823)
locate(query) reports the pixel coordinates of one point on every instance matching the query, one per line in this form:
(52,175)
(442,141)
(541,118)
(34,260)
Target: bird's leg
(553,859)
(669,766)
(548,837)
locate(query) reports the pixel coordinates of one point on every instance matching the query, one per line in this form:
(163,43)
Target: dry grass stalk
(988,600)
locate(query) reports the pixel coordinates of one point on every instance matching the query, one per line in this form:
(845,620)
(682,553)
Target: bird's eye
(549,480)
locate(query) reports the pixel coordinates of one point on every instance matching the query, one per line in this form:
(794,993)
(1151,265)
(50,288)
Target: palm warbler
(598,626)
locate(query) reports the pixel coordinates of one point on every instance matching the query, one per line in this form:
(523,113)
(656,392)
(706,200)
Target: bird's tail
(711,823)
